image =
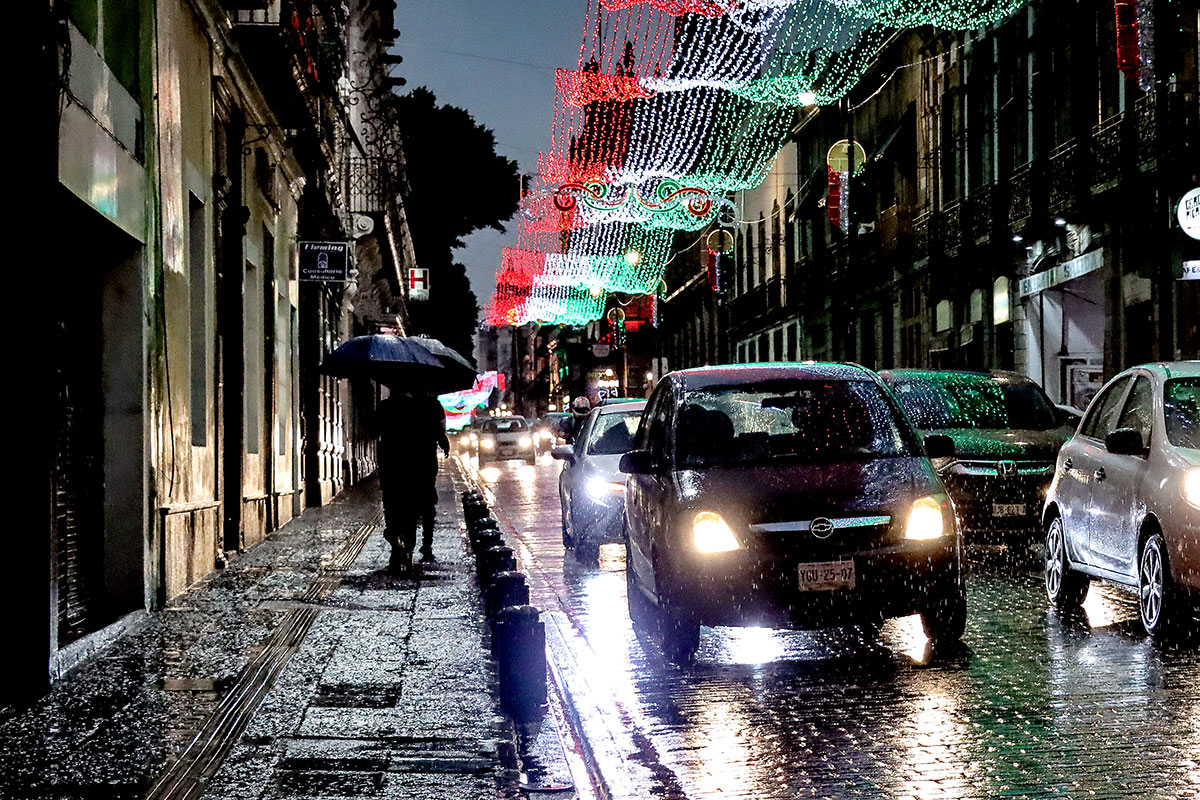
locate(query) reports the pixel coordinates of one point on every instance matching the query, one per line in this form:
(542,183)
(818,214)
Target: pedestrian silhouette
(412,426)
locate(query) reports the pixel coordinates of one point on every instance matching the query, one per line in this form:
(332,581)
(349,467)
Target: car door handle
(1067,464)
(1099,474)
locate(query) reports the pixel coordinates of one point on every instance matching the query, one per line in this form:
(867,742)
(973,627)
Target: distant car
(793,495)
(468,438)
(506,438)
(591,486)
(547,431)
(611,401)
(1125,501)
(1006,434)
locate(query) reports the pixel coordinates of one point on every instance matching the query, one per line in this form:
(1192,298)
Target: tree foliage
(457,184)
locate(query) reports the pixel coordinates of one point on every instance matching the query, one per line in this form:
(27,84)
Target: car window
(652,433)
(582,435)
(1102,414)
(1138,408)
(505,425)
(612,434)
(789,420)
(1181,411)
(981,402)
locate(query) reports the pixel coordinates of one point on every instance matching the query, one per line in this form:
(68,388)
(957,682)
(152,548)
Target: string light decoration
(1128,60)
(1145,28)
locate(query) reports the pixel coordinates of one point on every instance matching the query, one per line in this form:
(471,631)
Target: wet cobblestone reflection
(1031,706)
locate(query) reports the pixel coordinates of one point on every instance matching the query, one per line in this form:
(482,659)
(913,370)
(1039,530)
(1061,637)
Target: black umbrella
(401,362)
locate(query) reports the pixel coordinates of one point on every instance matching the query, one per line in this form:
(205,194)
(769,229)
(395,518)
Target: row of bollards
(518,635)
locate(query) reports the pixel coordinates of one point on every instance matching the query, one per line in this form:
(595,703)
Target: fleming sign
(325,261)
(1189,213)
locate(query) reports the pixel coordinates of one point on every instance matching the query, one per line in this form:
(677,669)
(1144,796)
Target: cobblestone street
(1032,706)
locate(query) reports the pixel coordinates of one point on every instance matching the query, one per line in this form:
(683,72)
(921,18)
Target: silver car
(1124,504)
(591,486)
(505,438)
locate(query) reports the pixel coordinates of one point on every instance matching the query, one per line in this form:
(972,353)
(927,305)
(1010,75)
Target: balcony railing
(1106,151)
(922,233)
(1020,198)
(1067,172)
(979,215)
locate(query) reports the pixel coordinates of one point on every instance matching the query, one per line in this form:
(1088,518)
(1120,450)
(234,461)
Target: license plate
(1008,509)
(818,576)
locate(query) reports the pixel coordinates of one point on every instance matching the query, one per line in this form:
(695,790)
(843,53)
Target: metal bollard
(495,559)
(521,658)
(487,523)
(474,512)
(508,588)
(486,539)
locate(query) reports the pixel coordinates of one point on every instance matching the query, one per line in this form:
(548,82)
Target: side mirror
(638,462)
(563,453)
(939,445)
(1125,442)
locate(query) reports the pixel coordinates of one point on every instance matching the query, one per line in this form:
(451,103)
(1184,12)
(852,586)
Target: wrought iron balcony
(979,216)
(1067,175)
(1020,195)
(1106,151)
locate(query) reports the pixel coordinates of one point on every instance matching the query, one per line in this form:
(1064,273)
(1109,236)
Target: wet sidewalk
(303,670)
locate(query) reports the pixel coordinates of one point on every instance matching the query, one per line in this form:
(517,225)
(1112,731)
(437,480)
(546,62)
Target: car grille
(845,535)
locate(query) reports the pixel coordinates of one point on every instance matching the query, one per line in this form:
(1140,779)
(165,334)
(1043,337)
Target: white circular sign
(1189,213)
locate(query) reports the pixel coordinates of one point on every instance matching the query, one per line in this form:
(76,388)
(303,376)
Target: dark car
(1006,435)
(547,431)
(788,495)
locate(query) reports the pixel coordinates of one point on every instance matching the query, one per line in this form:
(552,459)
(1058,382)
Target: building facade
(198,144)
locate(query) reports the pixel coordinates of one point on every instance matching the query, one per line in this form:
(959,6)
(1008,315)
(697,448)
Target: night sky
(496,59)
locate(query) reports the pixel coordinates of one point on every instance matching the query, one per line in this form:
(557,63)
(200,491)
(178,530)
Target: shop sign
(1189,213)
(1066,271)
(325,261)
(1191,271)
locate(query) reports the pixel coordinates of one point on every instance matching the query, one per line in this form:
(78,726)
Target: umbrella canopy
(401,362)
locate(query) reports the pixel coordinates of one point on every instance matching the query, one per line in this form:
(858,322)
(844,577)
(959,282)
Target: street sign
(1191,271)
(328,262)
(1189,213)
(418,284)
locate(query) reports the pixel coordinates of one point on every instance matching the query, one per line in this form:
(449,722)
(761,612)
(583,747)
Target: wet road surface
(1031,706)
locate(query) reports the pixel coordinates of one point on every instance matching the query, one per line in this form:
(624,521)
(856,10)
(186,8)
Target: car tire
(944,613)
(587,553)
(567,539)
(678,627)
(1065,588)
(1158,600)
(640,612)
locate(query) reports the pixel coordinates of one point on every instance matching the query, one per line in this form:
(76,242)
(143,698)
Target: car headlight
(525,441)
(711,534)
(474,438)
(487,443)
(925,520)
(1191,486)
(600,489)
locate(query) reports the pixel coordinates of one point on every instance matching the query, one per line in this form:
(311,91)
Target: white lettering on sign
(1189,213)
(1066,271)
(418,284)
(1191,271)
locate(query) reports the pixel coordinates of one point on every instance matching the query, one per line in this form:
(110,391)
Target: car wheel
(944,615)
(568,539)
(531,461)
(678,627)
(639,604)
(1157,601)
(1065,587)
(587,553)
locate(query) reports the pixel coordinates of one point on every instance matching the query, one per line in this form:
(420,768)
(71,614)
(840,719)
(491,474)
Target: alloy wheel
(1054,559)
(1151,584)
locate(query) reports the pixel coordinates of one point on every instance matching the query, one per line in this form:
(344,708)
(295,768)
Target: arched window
(1000,310)
(941,316)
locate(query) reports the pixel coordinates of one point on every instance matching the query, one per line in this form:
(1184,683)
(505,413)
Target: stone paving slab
(388,695)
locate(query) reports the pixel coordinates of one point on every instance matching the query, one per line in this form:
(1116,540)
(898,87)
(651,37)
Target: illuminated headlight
(488,443)
(711,534)
(474,438)
(525,441)
(600,490)
(925,521)
(1191,486)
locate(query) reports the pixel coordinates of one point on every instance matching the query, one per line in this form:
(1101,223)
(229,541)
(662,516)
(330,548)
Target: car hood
(782,493)
(607,467)
(993,445)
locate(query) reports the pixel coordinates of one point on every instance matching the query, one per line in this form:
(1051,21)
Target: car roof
(735,374)
(620,408)
(1170,369)
(936,374)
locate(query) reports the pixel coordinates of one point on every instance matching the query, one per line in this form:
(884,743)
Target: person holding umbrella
(412,426)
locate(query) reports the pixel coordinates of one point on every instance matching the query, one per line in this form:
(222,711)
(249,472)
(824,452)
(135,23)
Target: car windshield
(1181,411)
(813,421)
(613,433)
(502,425)
(981,402)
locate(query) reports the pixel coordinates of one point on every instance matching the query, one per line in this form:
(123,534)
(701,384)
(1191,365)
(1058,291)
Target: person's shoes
(427,555)
(400,561)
